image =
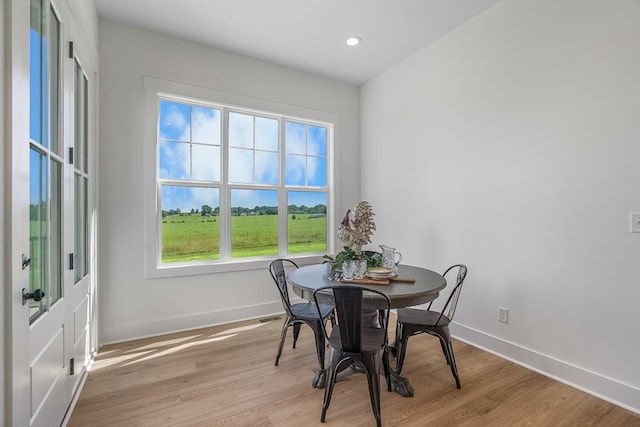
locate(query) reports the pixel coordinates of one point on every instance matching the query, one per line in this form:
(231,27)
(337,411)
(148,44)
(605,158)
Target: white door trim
(17,401)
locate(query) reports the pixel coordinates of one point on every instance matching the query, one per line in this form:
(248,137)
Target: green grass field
(189,237)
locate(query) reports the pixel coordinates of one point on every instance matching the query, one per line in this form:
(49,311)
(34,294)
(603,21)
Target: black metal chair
(300,313)
(412,321)
(356,341)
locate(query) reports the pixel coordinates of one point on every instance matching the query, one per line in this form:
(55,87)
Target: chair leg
(444,350)
(283,335)
(394,346)
(296,333)
(320,342)
(372,366)
(452,365)
(402,339)
(386,368)
(330,382)
(447,347)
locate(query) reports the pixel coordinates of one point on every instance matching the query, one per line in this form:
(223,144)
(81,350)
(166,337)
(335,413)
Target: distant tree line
(38,210)
(207,210)
(317,209)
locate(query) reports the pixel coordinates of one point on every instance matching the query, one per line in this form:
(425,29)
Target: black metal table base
(319,379)
(399,384)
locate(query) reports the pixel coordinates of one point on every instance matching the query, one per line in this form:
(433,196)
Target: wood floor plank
(225,376)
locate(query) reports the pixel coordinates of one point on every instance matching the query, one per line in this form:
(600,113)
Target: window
(236,184)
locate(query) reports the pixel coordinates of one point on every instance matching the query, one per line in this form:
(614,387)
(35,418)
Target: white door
(49,195)
(82,306)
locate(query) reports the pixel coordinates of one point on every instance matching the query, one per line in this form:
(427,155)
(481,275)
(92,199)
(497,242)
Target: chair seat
(308,311)
(372,339)
(413,316)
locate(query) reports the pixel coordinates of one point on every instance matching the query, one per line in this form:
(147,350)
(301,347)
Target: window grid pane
(253,149)
(306,155)
(306,222)
(189,140)
(190,226)
(254,223)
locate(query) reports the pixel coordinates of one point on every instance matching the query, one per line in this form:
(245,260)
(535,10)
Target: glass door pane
(55,227)
(80,228)
(45,188)
(81,180)
(38,74)
(38,229)
(53,81)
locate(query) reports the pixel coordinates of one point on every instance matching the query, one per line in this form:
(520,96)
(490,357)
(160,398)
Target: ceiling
(307,35)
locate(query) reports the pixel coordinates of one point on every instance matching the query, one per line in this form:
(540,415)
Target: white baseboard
(614,391)
(132,331)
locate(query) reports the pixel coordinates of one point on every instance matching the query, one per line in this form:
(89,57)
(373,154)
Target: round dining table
(412,286)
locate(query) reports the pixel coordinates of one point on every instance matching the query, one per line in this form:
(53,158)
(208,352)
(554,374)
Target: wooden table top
(426,287)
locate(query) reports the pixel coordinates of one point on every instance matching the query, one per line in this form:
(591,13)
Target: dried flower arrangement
(355,231)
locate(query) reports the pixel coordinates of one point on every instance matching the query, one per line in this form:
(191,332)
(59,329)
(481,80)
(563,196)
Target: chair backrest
(350,303)
(449,308)
(279,275)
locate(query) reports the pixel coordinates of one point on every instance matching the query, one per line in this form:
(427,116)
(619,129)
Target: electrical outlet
(634,218)
(503,315)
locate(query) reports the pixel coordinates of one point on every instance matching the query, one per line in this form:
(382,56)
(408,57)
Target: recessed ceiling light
(354,41)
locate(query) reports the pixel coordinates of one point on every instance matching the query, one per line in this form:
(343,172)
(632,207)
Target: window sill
(202,268)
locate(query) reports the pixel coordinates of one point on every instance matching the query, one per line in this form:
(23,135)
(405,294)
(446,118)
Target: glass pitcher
(390,258)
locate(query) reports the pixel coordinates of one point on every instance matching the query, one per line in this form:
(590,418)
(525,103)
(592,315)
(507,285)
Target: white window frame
(155,89)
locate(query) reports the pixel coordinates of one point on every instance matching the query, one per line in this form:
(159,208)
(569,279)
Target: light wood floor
(225,376)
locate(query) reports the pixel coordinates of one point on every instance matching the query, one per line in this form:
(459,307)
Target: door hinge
(70,50)
(26,261)
(71,261)
(71,366)
(70,155)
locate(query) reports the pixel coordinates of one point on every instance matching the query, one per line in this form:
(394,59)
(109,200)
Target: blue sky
(37,57)
(190,149)
(36,92)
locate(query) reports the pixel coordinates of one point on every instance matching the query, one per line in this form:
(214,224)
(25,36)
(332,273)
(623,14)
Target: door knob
(36,295)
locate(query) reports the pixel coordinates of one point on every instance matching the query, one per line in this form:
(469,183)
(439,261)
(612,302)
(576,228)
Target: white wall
(130,305)
(515,141)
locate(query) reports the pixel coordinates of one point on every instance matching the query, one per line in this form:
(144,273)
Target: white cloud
(206,125)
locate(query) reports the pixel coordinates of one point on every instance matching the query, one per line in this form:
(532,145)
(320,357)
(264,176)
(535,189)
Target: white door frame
(17,68)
